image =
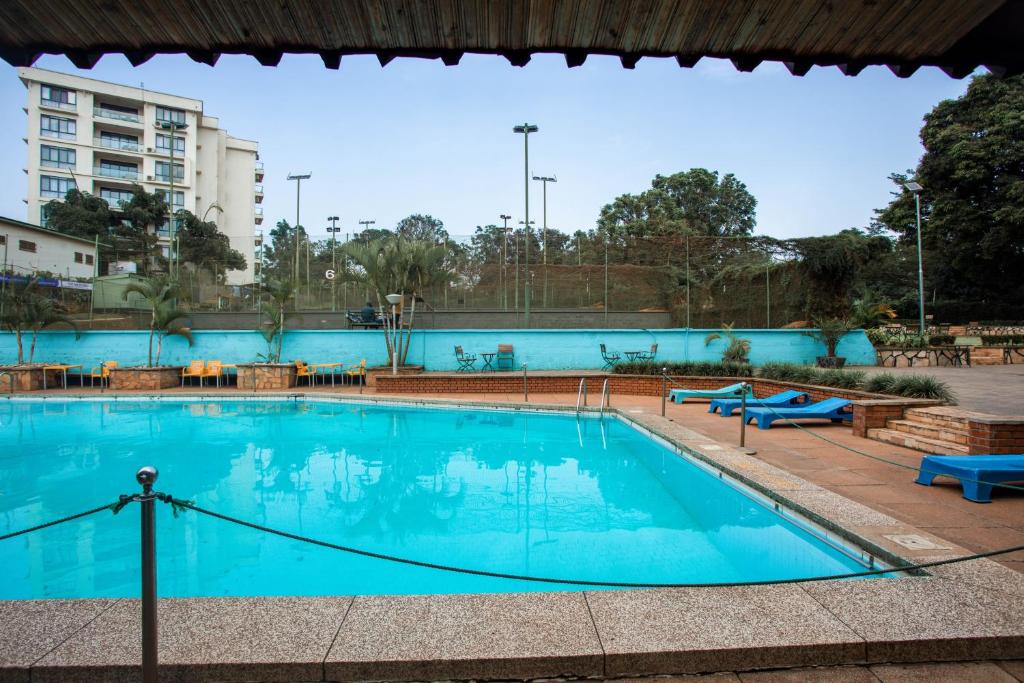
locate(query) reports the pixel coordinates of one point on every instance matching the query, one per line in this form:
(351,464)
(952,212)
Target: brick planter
(266,376)
(145,379)
(385,370)
(22,377)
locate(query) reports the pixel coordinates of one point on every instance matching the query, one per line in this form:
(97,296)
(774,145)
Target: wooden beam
(83,59)
(138,57)
(687,61)
(746,64)
(451,57)
(16,57)
(799,68)
(204,57)
(629,61)
(574,58)
(332,60)
(268,57)
(517,57)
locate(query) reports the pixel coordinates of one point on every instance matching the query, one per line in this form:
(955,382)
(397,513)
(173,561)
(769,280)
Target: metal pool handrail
(606,397)
(581,393)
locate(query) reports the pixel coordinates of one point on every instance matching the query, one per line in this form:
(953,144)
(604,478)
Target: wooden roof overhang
(955,35)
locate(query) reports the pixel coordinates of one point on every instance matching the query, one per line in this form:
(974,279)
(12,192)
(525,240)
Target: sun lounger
(829,409)
(785,398)
(731,391)
(976,473)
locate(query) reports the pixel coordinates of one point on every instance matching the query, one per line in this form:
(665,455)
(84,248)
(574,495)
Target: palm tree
(25,310)
(274,308)
(395,265)
(738,350)
(43,312)
(160,293)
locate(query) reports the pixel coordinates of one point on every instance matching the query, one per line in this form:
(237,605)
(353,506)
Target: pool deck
(959,613)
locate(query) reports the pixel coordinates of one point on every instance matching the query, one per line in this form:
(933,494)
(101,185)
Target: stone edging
(958,612)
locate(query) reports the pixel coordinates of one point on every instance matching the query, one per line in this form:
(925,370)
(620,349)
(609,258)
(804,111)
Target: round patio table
(488,359)
(633,355)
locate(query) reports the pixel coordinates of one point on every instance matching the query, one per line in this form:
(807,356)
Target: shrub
(841,379)
(880,383)
(941,340)
(922,386)
(1002,339)
(685,368)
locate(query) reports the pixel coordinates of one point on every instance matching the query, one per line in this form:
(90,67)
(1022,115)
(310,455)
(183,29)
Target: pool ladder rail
(606,397)
(581,394)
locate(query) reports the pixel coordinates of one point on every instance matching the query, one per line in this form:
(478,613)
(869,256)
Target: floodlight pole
(298,178)
(526,129)
(544,235)
(366,226)
(916,189)
(504,261)
(334,268)
(173,246)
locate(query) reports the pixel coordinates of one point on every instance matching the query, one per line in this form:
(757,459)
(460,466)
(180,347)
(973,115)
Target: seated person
(369,313)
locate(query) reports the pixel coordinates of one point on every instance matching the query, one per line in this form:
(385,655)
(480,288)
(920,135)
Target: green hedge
(942,340)
(906,386)
(1002,339)
(694,369)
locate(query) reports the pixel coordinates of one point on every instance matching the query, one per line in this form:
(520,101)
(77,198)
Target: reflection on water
(511,492)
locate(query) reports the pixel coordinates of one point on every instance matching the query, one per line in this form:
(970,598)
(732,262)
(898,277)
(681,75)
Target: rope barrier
(70,518)
(575,582)
(879,458)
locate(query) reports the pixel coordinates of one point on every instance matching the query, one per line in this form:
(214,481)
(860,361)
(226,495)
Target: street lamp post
(526,129)
(916,189)
(526,274)
(504,259)
(366,226)
(334,268)
(544,234)
(171,126)
(298,178)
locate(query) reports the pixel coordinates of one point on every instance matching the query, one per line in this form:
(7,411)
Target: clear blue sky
(419,137)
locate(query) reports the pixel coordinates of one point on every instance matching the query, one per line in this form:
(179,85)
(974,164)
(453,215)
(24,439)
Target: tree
(737,349)
(204,246)
(274,308)
(422,227)
(830,266)
(279,255)
(161,294)
(708,205)
(972,204)
(44,312)
(137,232)
(24,310)
(80,214)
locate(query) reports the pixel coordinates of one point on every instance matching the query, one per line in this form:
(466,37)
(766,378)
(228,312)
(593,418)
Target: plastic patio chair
(101,373)
(465,360)
(610,359)
(195,369)
(214,370)
(650,355)
(829,409)
(357,371)
(506,358)
(304,370)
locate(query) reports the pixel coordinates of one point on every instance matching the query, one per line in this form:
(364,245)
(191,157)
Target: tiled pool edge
(961,612)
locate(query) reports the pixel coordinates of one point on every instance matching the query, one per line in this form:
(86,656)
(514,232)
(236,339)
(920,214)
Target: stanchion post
(744,388)
(664,389)
(146,476)
(526,386)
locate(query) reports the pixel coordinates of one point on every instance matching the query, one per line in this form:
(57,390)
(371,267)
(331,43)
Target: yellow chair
(357,371)
(214,369)
(194,369)
(101,373)
(304,370)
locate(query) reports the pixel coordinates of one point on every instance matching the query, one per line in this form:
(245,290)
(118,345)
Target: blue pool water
(525,493)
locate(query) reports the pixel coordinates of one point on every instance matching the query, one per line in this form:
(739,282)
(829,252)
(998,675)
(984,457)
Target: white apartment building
(104,138)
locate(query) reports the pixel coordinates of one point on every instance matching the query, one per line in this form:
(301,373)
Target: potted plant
(737,350)
(160,295)
(269,372)
(831,331)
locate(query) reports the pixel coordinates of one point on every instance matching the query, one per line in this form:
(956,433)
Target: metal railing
(57,104)
(581,393)
(105,113)
(108,172)
(606,396)
(117,143)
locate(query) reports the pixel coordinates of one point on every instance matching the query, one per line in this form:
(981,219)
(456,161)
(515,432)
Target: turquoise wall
(540,349)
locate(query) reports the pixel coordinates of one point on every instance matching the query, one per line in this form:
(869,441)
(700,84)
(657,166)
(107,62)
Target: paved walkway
(993,389)
(952,672)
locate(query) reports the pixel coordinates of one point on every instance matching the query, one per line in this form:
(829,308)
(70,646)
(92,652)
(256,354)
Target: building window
(117,169)
(56,157)
(163,143)
(3,240)
(57,97)
(88,259)
(57,127)
(54,186)
(114,198)
(118,112)
(25,245)
(161,227)
(175,116)
(179,198)
(78,257)
(115,141)
(163,171)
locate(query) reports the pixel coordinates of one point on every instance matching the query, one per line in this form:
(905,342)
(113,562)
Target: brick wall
(996,437)
(144,379)
(23,379)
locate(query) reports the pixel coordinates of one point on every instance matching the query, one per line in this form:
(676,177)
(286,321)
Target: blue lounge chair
(785,398)
(976,473)
(731,391)
(829,409)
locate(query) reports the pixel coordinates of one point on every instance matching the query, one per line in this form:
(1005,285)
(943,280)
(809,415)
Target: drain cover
(915,542)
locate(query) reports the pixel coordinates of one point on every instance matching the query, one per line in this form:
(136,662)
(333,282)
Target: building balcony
(258,191)
(259,215)
(259,171)
(122,173)
(113,143)
(54,104)
(116,115)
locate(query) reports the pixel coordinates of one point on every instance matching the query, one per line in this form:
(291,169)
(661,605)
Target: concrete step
(950,433)
(942,416)
(916,442)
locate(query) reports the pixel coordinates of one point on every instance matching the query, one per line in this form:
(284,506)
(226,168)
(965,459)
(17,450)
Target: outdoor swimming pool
(517,492)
